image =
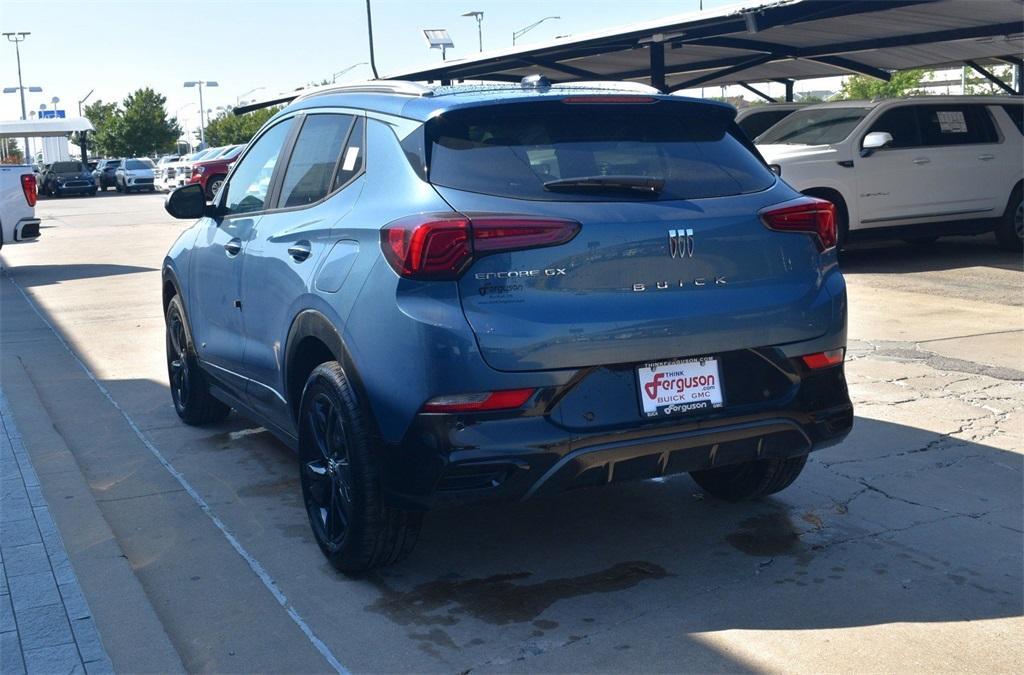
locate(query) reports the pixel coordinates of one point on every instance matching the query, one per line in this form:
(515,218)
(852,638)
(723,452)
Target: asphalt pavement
(899,549)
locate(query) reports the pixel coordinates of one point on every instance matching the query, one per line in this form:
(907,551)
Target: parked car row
(914,168)
(206,167)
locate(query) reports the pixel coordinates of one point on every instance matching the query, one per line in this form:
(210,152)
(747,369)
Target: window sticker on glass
(351,155)
(951,122)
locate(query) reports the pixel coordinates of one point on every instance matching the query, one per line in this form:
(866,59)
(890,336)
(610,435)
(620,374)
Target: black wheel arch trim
(312,323)
(170,277)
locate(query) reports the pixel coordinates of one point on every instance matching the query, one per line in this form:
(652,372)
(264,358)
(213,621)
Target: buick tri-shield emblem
(680,243)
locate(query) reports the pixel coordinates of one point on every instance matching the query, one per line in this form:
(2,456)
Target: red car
(210,172)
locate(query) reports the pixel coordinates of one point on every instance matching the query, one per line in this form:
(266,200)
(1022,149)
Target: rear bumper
(452,459)
(27,229)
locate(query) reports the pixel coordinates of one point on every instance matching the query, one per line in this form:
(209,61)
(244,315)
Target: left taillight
(28,186)
(442,246)
(819,360)
(806,215)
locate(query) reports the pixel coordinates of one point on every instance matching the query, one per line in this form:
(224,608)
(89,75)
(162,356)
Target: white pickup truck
(18,220)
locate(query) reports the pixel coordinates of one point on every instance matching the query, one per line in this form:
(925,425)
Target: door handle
(233,247)
(299,251)
(922,160)
(985,158)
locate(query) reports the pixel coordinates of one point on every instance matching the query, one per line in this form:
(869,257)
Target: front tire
(213,186)
(1010,230)
(340,477)
(750,480)
(190,391)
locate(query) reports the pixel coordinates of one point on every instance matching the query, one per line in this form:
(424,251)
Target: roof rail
(402,87)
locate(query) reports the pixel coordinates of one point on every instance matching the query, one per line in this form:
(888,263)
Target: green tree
(101,141)
(230,129)
(903,83)
(143,128)
(976,85)
(12,154)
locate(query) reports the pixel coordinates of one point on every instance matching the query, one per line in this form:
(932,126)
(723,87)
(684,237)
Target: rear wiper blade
(649,185)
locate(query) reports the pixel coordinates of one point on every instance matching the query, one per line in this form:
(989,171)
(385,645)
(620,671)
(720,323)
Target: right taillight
(807,215)
(28,186)
(443,245)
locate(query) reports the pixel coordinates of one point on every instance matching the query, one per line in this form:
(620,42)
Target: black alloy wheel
(340,472)
(190,392)
(327,473)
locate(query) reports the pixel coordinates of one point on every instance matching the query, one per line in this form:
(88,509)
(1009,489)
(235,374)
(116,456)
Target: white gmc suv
(18,191)
(914,168)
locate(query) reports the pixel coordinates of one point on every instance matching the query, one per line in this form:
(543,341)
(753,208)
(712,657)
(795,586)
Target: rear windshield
(513,150)
(138,164)
(66,167)
(814,126)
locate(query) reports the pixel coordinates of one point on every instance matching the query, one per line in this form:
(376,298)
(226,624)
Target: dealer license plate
(675,387)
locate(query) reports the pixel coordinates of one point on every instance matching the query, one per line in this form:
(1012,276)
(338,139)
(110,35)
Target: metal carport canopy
(771,41)
(43,128)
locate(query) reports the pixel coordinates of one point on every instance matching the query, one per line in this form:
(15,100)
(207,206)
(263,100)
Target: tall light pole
(84,99)
(188,137)
(17,39)
(238,99)
(479,16)
(523,31)
(202,124)
(334,77)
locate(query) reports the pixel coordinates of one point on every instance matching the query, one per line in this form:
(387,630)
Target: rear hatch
(671,258)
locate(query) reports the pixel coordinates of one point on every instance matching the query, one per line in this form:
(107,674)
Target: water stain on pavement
(499,599)
(770,534)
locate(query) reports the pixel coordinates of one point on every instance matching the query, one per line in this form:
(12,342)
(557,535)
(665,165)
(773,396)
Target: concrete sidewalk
(45,623)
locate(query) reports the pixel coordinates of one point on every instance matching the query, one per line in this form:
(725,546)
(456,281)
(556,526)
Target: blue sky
(115,47)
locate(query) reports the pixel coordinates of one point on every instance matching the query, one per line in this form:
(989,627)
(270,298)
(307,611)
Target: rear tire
(340,476)
(190,391)
(1010,230)
(750,480)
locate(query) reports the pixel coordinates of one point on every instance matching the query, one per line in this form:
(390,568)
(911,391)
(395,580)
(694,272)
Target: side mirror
(187,202)
(875,141)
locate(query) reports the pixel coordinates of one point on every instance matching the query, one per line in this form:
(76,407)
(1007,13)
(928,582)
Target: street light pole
(202,123)
(479,16)
(334,77)
(86,98)
(17,39)
(238,98)
(523,31)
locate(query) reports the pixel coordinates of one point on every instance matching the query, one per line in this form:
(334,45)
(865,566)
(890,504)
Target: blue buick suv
(443,295)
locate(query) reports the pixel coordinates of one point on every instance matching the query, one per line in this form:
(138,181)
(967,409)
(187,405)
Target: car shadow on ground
(898,524)
(44,275)
(947,253)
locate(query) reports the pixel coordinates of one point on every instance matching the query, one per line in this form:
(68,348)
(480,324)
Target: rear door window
(513,150)
(311,168)
(350,164)
(956,125)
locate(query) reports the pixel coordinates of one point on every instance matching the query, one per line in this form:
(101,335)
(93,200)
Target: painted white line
(254,564)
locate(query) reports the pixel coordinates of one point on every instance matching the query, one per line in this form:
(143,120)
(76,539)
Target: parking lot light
(202,122)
